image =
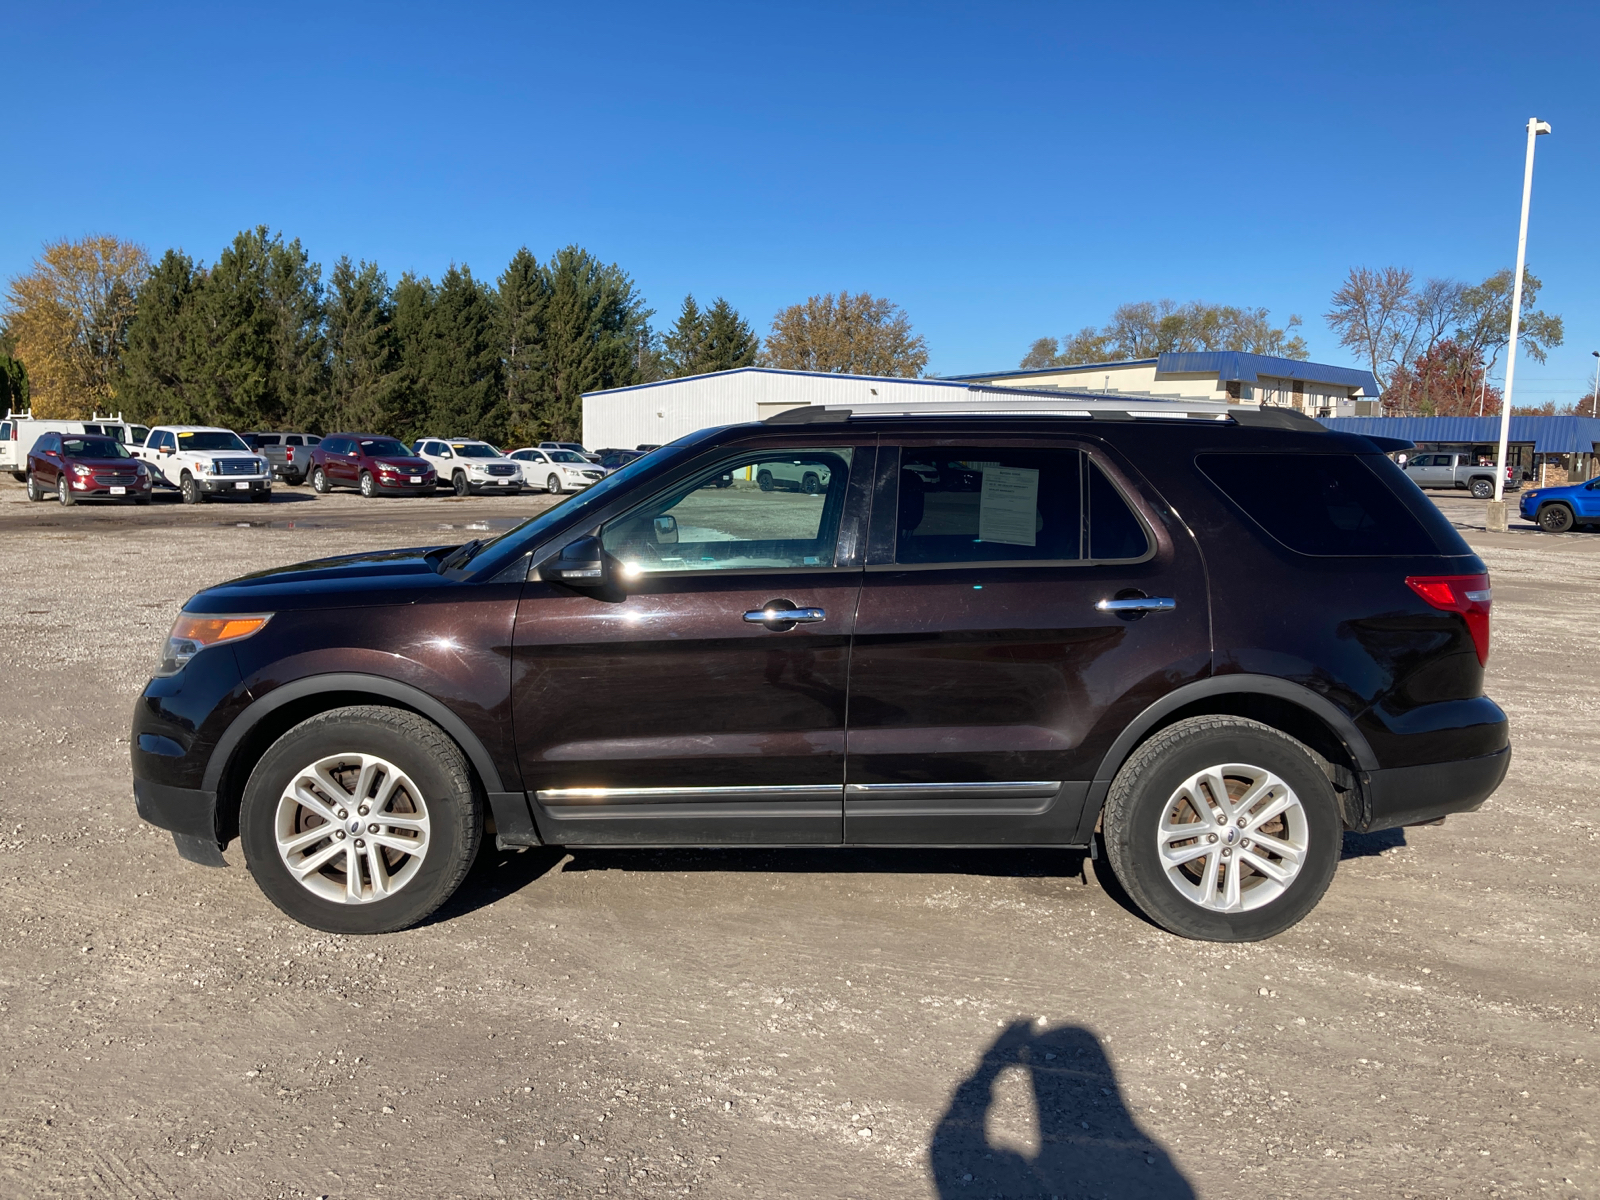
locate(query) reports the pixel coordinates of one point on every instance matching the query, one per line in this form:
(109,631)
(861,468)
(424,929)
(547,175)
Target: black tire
(1482,489)
(459,484)
(369,485)
(319,482)
(416,746)
(811,485)
(294,480)
(190,490)
(64,492)
(1555,518)
(764,481)
(553,485)
(1145,788)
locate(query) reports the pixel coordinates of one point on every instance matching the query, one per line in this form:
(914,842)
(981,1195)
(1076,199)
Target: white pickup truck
(202,461)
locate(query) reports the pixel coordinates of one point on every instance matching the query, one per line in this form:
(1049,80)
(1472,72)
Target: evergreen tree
(461,379)
(366,384)
(413,325)
(595,325)
(685,346)
(263,363)
(730,343)
(161,361)
(523,297)
(13,374)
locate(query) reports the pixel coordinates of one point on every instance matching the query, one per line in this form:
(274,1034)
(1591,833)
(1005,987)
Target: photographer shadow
(1087,1144)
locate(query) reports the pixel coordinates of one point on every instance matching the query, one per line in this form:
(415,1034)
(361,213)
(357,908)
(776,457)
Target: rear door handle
(795,616)
(1138,604)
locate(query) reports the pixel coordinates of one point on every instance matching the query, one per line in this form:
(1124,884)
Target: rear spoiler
(1389,445)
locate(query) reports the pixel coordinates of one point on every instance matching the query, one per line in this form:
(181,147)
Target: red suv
(75,467)
(371,464)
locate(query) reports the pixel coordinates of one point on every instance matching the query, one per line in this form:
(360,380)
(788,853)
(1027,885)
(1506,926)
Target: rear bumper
(1416,795)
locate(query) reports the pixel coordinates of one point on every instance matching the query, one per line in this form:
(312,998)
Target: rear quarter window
(1330,504)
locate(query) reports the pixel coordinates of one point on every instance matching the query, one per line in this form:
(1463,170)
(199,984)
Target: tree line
(258,339)
(1430,345)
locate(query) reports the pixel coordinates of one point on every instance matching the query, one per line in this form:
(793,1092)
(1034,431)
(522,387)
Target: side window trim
(881,549)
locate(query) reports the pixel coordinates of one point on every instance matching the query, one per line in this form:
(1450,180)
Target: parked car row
(82,461)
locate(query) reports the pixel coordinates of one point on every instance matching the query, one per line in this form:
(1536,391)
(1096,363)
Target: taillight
(1468,595)
(290,457)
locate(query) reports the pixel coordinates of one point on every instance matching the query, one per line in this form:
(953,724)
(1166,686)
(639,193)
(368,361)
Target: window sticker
(1008,507)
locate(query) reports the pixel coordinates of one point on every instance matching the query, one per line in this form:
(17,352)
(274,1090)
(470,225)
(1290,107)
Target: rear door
(704,701)
(989,675)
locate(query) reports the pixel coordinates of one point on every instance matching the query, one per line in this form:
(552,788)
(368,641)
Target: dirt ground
(766,1024)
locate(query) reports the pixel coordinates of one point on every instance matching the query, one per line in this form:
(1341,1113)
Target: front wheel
(64,492)
(369,485)
(360,820)
(319,482)
(1223,829)
(459,484)
(189,489)
(1555,518)
(553,485)
(1482,489)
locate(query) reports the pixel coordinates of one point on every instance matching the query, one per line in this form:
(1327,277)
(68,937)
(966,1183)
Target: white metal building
(658,413)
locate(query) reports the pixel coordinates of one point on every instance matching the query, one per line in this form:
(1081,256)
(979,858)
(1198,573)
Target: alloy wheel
(352,828)
(1232,837)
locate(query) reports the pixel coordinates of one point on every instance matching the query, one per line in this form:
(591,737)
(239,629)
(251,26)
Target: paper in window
(1008,508)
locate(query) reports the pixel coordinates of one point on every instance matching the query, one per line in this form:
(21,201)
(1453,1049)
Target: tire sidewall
(319,481)
(1154,786)
(553,486)
(369,486)
(450,813)
(64,491)
(459,484)
(1555,525)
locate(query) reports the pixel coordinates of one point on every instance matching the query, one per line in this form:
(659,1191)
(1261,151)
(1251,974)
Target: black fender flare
(1343,727)
(372,685)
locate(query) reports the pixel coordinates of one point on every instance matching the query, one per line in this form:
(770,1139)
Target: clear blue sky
(1001,171)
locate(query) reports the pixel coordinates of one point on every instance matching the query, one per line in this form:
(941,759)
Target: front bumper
(1416,795)
(189,814)
(496,484)
(228,485)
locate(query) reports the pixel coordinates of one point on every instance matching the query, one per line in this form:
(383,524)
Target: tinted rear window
(1323,504)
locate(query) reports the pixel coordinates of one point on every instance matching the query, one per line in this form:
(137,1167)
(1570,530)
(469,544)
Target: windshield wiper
(460,555)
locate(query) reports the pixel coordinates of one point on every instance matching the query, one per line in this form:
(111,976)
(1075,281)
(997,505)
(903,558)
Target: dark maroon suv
(1202,642)
(371,464)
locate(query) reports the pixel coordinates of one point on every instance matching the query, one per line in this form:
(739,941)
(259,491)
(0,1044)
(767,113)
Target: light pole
(1594,400)
(1497,509)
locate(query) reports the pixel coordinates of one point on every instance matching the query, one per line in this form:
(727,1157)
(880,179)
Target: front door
(1022,601)
(700,701)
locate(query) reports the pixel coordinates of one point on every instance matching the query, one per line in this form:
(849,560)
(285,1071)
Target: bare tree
(1374,314)
(1147,328)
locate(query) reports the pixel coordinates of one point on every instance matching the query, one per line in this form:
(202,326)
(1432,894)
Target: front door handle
(1137,604)
(787,616)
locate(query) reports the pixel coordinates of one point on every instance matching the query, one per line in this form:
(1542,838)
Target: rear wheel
(369,485)
(764,481)
(1482,489)
(1555,518)
(35,492)
(319,482)
(811,485)
(360,820)
(64,491)
(1223,829)
(189,489)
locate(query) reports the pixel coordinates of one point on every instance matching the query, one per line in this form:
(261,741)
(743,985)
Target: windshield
(384,446)
(93,447)
(567,456)
(474,450)
(219,439)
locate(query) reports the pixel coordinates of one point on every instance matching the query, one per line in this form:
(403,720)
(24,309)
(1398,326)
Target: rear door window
(984,504)
(1322,504)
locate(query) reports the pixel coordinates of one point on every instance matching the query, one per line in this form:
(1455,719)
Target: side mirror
(166,450)
(581,564)
(666,531)
(446,454)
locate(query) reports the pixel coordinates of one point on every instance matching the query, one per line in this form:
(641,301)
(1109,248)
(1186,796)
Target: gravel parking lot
(859,1024)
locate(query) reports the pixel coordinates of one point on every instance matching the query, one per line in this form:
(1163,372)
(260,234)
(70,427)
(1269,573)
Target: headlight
(138,469)
(192,634)
(80,469)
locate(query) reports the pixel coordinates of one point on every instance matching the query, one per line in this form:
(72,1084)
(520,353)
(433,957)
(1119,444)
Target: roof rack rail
(1079,405)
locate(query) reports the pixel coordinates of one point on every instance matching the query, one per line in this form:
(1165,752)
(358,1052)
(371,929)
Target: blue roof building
(1316,389)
